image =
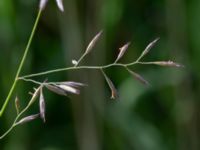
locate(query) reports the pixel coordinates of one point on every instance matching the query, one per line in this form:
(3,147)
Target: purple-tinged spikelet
(122,51)
(42,106)
(60,5)
(114,93)
(27,119)
(43,4)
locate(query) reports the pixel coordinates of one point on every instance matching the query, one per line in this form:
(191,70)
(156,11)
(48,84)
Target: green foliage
(161,116)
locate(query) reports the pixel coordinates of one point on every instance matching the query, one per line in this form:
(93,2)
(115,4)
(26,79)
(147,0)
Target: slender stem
(85,67)
(139,58)
(15,122)
(21,63)
(70,68)
(8,131)
(78,68)
(147,63)
(30,80)
(81,58)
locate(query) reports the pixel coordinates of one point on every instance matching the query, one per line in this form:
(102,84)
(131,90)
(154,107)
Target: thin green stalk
(81,58)
(73,68)
(78,68)
(8,131)
(15,122)
(30,80)
(139,58)
(21,63)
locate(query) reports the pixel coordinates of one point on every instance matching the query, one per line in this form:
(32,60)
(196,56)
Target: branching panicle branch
(65,88)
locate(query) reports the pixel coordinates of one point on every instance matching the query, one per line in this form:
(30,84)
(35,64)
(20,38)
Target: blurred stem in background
(185,105)
(74,36)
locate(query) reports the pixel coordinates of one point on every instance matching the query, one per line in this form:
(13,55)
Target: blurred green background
(164,116)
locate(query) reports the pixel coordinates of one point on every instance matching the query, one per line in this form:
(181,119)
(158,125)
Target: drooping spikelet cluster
(61,88)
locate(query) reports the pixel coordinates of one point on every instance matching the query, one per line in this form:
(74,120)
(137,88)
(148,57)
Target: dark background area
(164,116)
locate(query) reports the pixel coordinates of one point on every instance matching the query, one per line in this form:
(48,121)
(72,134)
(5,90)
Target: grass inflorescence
(65,88)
